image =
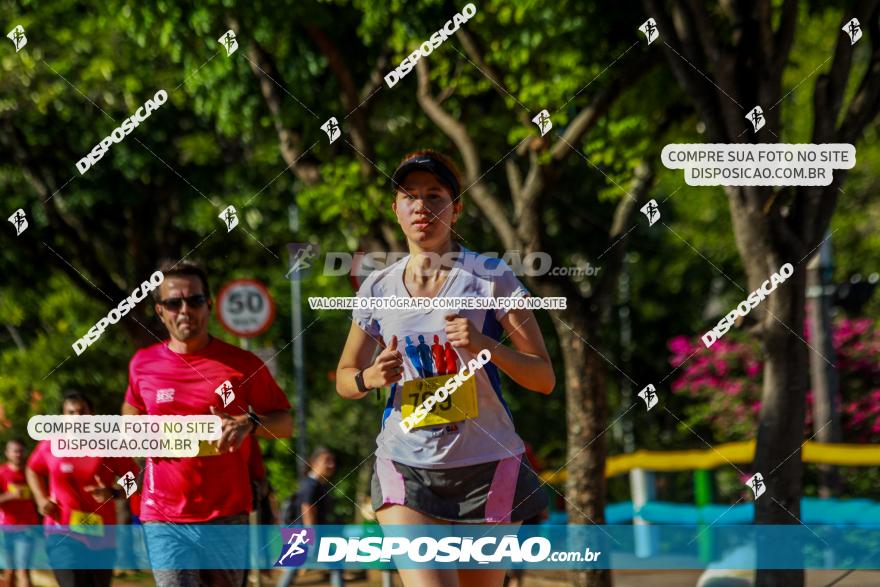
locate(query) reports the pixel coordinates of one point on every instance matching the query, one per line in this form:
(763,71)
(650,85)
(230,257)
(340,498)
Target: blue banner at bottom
(209,546)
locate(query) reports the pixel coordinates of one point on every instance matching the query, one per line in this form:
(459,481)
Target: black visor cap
(426,163)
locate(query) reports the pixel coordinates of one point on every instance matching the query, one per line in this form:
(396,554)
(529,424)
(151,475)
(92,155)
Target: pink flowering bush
(724,382)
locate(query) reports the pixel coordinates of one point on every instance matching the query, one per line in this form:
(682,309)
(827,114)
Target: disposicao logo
(296,546)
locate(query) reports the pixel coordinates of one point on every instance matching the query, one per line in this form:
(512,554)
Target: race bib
(85,523)
(20,491)
(460,405)
(207,449)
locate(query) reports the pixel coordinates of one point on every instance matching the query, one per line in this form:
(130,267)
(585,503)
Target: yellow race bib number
(207,448)
(19,491)
(461,404)
(86,523)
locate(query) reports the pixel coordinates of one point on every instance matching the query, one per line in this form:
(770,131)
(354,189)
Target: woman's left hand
(461,333)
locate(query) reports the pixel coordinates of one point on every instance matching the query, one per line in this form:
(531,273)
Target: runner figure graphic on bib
(447,450)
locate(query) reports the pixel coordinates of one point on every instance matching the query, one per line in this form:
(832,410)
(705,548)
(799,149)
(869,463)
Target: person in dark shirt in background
(313,500)
(312,503)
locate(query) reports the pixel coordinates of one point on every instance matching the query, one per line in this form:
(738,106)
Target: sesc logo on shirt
(164,396)
(66,467)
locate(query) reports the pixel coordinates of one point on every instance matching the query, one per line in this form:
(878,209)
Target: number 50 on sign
(245,308)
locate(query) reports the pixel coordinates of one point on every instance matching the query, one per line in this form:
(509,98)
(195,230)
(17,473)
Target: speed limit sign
(245,307)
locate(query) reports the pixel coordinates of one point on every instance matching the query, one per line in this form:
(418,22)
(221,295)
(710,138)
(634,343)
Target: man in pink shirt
(75,496)
(16,509)
(193,373)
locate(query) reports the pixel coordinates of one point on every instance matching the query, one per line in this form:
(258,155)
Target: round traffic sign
(245,308)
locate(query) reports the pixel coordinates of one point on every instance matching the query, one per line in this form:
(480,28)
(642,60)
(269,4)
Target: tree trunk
(586,415)
(781,428)
(780,319)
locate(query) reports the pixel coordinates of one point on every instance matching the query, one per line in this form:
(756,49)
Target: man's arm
(276,424)
(130,410)
(269,404)
(309,514)
(45,506)
(5,494)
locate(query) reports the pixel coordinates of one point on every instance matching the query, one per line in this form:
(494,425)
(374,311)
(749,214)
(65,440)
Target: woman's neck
(426,262)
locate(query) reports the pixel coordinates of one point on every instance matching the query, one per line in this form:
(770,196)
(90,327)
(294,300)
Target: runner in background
(313,500)
(16,509)
(193,373)
(312,504)
(75,496)
(464,463)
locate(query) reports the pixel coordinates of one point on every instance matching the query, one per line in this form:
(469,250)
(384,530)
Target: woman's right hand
(386,369)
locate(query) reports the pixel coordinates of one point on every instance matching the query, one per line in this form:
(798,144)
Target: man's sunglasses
(174,304)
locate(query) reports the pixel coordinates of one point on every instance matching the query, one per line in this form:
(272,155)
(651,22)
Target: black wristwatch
(359,380)
(255,420)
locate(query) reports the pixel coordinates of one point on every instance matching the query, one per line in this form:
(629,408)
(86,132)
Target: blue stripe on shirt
(492,328)
(389,405)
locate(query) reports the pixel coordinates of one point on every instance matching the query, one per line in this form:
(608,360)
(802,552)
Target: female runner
(464,462)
